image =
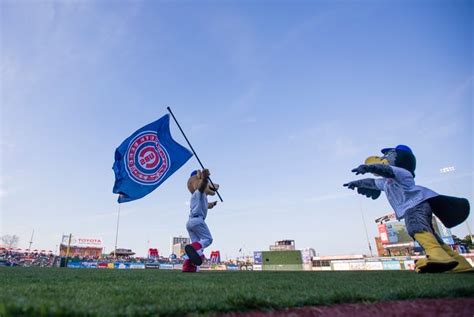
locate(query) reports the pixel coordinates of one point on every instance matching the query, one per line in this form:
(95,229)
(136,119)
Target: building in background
(177,245)
(283,245)
(281,257)
(288,260)
(122,253)
(81,246)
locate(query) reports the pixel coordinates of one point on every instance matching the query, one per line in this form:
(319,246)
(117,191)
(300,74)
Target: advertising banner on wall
(391,231)
(357,265)
(383,233)
(397,232)
(340,266)
(219,267)
(391,265)
(232,267)
(373,265)
(82,242)
(409,265)
(166,266)
(257,267)
(83,265)
(257,257)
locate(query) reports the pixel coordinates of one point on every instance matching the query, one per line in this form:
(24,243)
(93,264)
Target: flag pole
(116,232)
(192,149)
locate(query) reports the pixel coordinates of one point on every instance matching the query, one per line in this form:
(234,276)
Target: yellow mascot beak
(375,160)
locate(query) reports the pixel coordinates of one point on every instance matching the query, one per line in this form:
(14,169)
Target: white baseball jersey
(199,205)
(401,191)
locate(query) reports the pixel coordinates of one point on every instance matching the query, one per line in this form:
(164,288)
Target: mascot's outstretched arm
(365,187)
(378,169)
(204,180)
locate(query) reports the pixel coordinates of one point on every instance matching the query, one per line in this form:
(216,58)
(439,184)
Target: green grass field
(102,292)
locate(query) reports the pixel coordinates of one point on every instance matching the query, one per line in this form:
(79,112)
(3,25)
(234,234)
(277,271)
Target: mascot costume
(415,204)
(201,238)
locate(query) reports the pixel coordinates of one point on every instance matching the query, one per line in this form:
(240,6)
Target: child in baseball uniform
(201,238)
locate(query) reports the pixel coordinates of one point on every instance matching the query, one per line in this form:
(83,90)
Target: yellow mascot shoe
(437,260)
(420,265)
(463,265)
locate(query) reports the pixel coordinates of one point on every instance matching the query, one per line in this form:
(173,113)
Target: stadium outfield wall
(370,264)
(278,261)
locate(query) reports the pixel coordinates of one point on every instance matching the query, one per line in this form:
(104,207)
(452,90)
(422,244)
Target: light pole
(31,239)
(469,230)
(116,232)
(365,228)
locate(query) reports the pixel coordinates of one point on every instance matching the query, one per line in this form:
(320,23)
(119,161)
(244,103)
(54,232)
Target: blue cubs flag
(146,159)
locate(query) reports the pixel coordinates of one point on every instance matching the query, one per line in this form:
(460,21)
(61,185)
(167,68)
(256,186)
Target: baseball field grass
(102,292)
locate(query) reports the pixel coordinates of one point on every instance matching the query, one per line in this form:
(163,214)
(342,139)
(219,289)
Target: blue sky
(281,99)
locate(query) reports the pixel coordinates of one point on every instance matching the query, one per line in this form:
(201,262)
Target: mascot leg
(194,252)
(188,266)
(463,264)
(437,260)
